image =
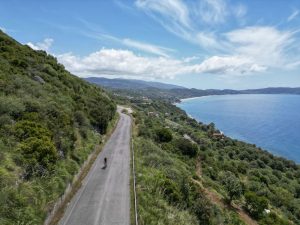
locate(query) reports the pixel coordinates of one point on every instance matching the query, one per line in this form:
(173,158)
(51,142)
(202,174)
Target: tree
(232,185)
(164,135)
(255,204)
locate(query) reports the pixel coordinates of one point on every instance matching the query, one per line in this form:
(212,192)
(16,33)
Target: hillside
(50,121)
(130,84)
(188,173)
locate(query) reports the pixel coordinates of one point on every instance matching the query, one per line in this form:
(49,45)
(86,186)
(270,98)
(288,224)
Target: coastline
(270,149)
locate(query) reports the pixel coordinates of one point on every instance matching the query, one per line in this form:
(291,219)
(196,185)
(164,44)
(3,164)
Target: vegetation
(172,93)
(202,178)
(50,121)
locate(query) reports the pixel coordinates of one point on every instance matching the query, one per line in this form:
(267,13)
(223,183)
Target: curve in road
(104,197)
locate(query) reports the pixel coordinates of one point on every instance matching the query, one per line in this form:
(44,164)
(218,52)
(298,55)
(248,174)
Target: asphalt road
(104,197)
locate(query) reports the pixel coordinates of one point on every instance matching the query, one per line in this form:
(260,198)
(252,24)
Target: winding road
(104,198)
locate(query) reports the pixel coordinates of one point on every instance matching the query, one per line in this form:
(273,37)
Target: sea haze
(272,122)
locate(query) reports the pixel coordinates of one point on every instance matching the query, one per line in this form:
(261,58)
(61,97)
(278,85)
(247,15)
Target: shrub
(186,147)
(25,129)
(164,135)
(202,209)
(171,191)
(39,155)
(232,185)
(80,118)
(273,219)
(255,204)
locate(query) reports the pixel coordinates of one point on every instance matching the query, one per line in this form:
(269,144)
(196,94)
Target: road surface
(104,198)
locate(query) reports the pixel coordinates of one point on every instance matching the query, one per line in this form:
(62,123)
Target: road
(104,198)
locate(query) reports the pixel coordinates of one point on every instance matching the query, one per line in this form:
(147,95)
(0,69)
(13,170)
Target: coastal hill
(191,173)
(174,93)
(50,121)
(119,83)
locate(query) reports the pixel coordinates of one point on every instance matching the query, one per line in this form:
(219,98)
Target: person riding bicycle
(105,163)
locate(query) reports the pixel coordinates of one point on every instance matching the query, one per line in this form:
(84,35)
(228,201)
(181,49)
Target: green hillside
(50,121)
(189,173)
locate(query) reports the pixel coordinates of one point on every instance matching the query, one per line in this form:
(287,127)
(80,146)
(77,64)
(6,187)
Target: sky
(222,44)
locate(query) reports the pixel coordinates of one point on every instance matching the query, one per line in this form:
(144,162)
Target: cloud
(251,50)
(293,15)
(265,45)
(213,11)
(173,15)
(154,49)
(186,19)
(126,63)
(233,65)
(121,62)
(174,10)
(45,45)
(142,46)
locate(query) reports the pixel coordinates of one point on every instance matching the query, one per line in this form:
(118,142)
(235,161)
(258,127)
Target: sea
(270,121)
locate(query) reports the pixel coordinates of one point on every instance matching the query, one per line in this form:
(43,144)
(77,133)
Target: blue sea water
(272,122)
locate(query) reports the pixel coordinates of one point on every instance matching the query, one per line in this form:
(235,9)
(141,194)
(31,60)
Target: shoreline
(271,151)
(191,98)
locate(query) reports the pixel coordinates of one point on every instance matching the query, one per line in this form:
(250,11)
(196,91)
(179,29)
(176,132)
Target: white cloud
(122,62)
(45,45)
(293,15)
(174,10)
(146,47)
(266,45)
(234,65)
(213,11)
(251,50)
(126,63)
(185,19)
(143,46)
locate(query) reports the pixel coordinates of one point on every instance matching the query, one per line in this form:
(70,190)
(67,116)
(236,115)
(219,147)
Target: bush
(186,147)
(232,185)
(80,118)
(39,155)
(202,209)
(25,129)
(171,191)
(255,205)
(164,135)
(273,219)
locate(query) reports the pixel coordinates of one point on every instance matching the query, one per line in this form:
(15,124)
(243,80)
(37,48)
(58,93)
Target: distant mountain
(130,84)
(174,93)
(273,90)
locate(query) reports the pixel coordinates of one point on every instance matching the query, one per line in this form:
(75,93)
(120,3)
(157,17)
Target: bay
(272,122)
